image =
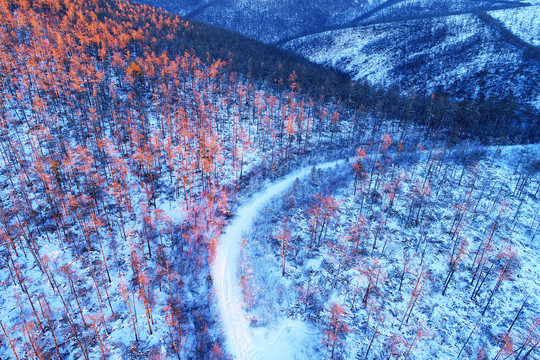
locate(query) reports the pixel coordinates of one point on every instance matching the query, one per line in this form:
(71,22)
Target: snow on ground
(523,22)
(444,321)
(436,8)
(459,53)
(243,344)
(360,51)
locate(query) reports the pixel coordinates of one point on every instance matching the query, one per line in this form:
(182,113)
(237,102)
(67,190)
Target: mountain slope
(426,253)
(118,154)
(417,35)
(128,135)
(461,54)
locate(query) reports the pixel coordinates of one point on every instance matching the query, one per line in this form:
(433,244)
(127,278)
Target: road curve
(242,344)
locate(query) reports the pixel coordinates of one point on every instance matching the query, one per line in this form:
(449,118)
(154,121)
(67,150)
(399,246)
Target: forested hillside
(119,153)
(472,49)
(401,253)
(127,137)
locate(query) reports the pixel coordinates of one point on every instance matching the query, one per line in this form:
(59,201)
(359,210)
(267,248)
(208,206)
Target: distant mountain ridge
(340,35)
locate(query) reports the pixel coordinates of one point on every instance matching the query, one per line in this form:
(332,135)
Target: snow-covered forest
(133,146)
(402,253)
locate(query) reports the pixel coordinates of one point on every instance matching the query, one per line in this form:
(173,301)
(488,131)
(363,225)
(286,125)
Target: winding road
(244,342)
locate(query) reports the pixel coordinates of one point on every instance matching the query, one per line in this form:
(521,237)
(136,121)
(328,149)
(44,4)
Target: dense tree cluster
(123,131)
(118,156)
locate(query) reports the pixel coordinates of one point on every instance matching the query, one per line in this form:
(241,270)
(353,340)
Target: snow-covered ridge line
(241,342)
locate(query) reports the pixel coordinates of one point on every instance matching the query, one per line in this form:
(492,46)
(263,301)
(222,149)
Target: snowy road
(242,342)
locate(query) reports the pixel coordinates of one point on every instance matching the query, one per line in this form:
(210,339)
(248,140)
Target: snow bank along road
(242,342)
